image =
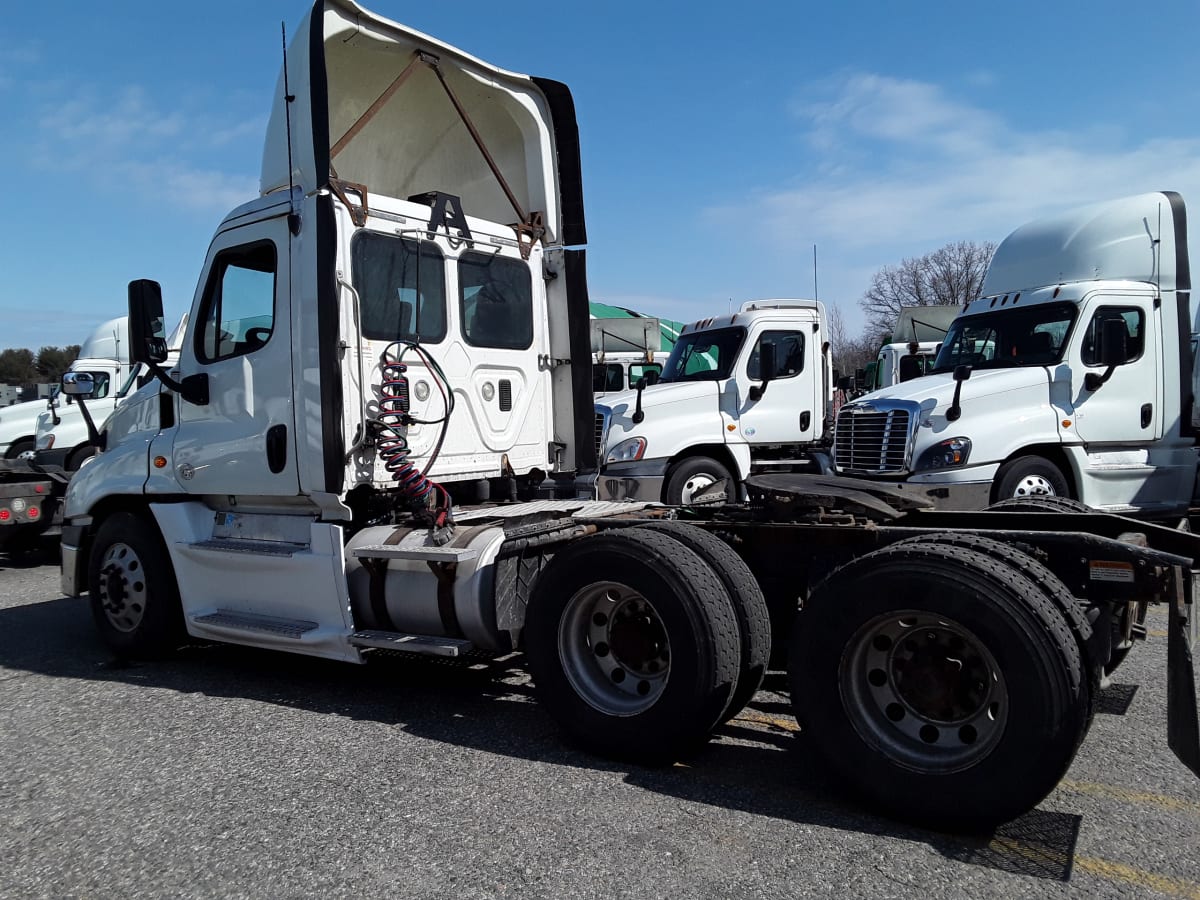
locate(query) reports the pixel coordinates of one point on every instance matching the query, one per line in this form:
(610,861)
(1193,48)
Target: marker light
(160,462)
(33,512)
(5,515)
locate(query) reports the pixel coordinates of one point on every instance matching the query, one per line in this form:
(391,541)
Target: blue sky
(720,141)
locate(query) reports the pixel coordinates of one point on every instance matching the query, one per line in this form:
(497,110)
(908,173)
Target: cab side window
(1135,330)
(238,312)
(789,353)
(496,298)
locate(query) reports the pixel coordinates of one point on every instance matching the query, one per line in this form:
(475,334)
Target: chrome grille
(602,416)
(872,440)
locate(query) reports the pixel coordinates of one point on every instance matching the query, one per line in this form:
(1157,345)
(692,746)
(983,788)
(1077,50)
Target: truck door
(243,440)
(1128,407)
(787,412)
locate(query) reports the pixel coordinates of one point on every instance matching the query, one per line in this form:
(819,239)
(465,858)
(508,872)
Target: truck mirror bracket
(193,388)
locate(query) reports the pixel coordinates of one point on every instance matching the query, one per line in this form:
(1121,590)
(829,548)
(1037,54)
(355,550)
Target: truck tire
(1047,503)
(1053,589)
(633,645)
(78,455)
(692,475)
(132,589)
(939,683)
(1030,476)
(21,449)
(754,620)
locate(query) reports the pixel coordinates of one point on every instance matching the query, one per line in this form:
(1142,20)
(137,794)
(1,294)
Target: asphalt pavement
(229,772)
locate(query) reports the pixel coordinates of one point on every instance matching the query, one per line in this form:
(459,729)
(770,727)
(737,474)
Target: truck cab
(1069,376)
(397,325)
(717,413)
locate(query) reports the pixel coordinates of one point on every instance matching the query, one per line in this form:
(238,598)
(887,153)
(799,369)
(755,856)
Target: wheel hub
(122,587)
(1034,486)
(695,485)
(614,649)
(924,690)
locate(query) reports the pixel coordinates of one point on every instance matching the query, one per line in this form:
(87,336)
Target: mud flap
(1183,724)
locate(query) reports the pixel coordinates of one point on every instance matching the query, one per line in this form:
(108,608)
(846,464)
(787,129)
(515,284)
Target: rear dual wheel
(940,683)
(633,644)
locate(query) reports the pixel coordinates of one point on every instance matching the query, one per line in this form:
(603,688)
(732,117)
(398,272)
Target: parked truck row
(379,434)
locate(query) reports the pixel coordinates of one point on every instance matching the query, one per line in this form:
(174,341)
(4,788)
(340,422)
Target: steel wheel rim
(122,587)
(694,485)
(614,649)
(923,690)
(1034,486)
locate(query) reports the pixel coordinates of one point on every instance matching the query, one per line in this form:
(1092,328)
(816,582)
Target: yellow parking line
(749,715)
(1101,868)
(1125,795)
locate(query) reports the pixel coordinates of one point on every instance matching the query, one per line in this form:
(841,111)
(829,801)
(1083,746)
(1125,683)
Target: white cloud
(901,168)
(124,140)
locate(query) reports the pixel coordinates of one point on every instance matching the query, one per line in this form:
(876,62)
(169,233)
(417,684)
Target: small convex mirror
(78,384)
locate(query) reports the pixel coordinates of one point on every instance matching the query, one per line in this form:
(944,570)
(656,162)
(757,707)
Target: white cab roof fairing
(755,309)
(343,58)
(109,340)
(1113,241)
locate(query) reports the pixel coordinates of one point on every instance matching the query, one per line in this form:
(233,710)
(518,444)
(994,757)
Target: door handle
(277,448)
(1147,414)
(805,420)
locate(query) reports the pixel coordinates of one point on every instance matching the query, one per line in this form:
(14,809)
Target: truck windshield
(1026,336)
(704,355)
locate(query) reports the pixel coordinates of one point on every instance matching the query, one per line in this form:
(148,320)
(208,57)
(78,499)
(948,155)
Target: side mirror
(147,333)
(1114,351)
(768,368)
(961,374)
(1114,342)
(768,363)
(651,377)
(845,383)
(78,384)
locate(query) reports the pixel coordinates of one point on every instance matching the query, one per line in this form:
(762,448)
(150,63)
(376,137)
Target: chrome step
(429,554)
(226,618)
(266,548)
(424,644)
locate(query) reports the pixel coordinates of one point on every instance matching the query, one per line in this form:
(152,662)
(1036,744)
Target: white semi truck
(718,413)
(104,355)
(624,351)
(379,436)
(1070,376)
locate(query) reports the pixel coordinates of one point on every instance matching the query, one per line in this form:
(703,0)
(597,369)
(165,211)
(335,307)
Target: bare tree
(850,354)
(949,276)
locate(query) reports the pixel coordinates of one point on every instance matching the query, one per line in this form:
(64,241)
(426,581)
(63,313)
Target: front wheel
(692,477)
(22,449)
(1030,476)
(633,645)
(132,589)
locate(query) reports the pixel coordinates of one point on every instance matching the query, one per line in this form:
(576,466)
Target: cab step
(235,545)
(241,621)
(424,644)
(428,554)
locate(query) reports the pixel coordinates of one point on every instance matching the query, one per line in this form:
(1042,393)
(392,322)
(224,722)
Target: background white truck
(716,413)
(373,353)
(1070,376)
(624,350)
(105,355)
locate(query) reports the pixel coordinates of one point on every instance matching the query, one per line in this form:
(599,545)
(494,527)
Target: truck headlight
(627,451)
(951,453)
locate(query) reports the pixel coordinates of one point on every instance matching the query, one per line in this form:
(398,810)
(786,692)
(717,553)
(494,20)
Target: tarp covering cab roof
(373,106)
